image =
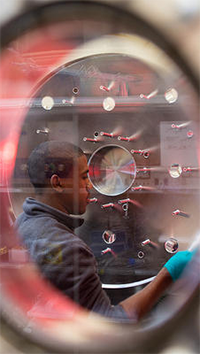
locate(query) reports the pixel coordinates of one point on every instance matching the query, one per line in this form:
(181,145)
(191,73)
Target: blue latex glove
(176,264)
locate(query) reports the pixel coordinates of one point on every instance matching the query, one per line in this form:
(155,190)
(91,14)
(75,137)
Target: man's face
(76,188)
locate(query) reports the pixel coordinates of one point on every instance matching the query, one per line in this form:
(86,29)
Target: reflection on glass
(175,170)
(71,81)
(109,236)
(47,103)
(108,104)
(112,170)
(171,95)
(171,245)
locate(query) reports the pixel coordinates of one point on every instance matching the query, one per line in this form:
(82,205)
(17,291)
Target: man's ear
(56,184)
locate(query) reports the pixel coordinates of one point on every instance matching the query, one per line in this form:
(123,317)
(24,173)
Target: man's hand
(176,264)
(138,305)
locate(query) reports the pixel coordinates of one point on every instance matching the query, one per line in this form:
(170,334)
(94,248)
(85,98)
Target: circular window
(112,170)
(103,79)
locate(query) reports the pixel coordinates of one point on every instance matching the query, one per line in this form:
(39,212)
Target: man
(59,174)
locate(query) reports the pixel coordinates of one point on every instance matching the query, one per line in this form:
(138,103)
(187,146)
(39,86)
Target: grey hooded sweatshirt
(63,258)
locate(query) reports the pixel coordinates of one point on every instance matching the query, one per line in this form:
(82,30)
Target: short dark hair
(51,157)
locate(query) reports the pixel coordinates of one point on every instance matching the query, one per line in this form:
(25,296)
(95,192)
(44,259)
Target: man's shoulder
(42,223)
(49,233)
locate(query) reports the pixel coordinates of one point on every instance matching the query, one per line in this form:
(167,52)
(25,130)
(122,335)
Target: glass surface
(108,236)
(171,245)
(175,170)
(141,153)
(102,83)
(112,170)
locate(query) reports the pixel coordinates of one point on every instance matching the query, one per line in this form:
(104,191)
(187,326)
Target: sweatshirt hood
(32,207)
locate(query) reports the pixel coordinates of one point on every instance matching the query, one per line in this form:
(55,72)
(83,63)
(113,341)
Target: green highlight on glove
(176,264)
